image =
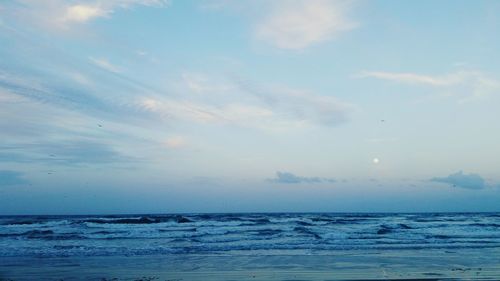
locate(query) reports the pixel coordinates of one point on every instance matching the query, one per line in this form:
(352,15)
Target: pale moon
(375,160)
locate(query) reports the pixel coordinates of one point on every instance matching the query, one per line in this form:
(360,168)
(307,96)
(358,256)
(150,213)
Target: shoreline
(470,264)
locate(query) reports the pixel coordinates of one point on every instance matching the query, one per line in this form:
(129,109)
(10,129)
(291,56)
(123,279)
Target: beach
(481,264)
(278,140)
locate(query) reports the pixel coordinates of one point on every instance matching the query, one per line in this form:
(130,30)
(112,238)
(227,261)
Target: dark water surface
(242,234)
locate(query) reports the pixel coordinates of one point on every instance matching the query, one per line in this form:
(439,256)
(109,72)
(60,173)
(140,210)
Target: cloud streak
(289,178)
(240,102)
(105,64)
(459,179)
(470,85)
(74,152)
(63,15)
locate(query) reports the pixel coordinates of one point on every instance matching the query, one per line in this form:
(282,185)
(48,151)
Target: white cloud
(62,15)
(83,13)
(298,24)
(469,85)
(105,64)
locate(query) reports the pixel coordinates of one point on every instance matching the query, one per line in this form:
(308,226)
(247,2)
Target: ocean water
(241,234)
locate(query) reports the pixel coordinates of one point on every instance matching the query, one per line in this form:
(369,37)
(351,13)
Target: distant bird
(382,120)
(100,126)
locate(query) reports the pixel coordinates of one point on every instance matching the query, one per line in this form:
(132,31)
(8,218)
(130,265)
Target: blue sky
(126,106)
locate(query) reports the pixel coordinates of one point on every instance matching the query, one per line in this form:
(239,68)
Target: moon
(375,160)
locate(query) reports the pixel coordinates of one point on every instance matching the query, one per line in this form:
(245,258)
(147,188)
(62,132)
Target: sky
(168,106)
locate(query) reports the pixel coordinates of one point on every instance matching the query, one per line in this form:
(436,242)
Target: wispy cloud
(67,124)
(469,85)
(292,24)
(184,110)
(413,78)
(106,65)
(42,89)
(300,24)
(236,101)
(62,15)
(201,83)
(289,178)
(70,152)
(459,179)
(302,105)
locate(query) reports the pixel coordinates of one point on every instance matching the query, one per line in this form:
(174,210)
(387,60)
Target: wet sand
(466,264)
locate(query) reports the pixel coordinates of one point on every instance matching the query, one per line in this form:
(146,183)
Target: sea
(243,234)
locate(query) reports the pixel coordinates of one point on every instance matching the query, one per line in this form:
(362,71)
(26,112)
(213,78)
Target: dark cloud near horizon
(8,178)
(289,178)
(459,179)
